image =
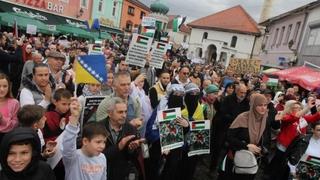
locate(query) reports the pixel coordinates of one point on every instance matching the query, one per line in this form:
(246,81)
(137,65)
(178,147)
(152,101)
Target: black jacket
(36,169)
(230,108)
(118,160)
(10,59)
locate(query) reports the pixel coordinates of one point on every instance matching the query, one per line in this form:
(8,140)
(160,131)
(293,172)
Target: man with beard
(158,91)
(230,108)
(38,87)
(164,166)
(193,112)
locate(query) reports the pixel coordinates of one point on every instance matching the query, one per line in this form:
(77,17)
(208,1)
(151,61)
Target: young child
(20,154)
(32,116)
(57,114)
(87,163)
(9,106)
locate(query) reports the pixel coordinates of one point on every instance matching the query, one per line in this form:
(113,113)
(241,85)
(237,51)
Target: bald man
(28,65)
(230,108)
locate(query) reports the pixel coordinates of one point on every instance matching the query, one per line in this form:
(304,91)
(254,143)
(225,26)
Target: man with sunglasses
(183,76)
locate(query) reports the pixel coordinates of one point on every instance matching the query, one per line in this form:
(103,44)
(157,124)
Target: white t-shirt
(314,147)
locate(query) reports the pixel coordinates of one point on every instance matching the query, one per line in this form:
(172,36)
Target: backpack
(245,162)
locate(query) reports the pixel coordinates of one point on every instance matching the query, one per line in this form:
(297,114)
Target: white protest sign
(31,29)
(148,21)
(138,50)
(171,134)
(199,138)
(158,51)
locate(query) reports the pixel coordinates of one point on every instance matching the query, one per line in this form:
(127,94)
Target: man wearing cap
(62,78)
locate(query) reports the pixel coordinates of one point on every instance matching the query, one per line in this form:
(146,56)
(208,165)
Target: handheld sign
(138,50)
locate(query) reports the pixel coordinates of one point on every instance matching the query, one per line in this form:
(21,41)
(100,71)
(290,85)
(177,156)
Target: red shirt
(289,125)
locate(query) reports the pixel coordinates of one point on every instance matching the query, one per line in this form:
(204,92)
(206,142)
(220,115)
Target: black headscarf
(20,134)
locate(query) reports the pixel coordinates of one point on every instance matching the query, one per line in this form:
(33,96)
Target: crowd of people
(269,129)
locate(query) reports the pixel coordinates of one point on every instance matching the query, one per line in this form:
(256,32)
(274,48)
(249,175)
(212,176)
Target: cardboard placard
(171,134)
(199,138)
(244,66)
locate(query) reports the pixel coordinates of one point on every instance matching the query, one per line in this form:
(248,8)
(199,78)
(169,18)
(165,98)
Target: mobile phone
(51,144)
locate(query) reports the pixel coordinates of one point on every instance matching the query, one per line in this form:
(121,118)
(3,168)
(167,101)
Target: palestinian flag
(161,46)
(169,114)
(314,160)
(142,40)
(198,125)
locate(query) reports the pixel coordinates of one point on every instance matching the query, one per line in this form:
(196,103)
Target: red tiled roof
(234,19)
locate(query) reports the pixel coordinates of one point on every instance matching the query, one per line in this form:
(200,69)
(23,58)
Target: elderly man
(62,78)
(121,86)
(37,87)
(123,143)
(230,108)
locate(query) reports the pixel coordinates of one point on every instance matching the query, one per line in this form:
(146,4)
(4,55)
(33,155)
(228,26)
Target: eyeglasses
(185,73)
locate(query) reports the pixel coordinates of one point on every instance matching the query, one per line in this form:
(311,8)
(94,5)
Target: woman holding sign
(164,164)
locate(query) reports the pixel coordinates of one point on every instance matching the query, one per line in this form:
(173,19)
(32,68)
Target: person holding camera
(247,132)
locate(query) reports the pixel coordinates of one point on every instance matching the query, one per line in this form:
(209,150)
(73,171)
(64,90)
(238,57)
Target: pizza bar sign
(55,7)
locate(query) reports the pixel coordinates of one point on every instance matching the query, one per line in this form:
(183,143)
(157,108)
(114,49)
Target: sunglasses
(185,73)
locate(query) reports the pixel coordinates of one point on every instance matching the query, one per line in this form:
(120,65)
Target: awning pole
(311,64)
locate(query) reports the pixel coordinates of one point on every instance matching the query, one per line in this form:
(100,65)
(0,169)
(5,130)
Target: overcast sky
(195,9)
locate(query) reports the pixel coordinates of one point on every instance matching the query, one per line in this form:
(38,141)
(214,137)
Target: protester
(246,132)
(183,76)
(28,66)
(87,163)
(9,106)
(121,87)
(57,114)
(121,148)
(158,91)
(32,116)
(20,157)
(291,127)
(37,87)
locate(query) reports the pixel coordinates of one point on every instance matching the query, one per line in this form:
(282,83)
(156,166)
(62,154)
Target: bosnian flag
(169,114)
(161,46)
(198,125)
(142,40)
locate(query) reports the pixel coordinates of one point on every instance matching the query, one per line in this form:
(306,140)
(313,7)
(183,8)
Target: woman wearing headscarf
(20,157)
(193,111)
(247,132)
(160,165)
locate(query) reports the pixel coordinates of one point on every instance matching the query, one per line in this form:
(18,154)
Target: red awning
(307,78)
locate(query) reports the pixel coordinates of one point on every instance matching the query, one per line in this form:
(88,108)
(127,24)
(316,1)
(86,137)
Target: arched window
(204,36)
(234,41)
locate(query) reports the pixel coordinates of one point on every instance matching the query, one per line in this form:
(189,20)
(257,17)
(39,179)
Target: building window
(131,10)
(114,8)
(142,14)
(204,36)
(128,26)
(234,41)
(314,37)
(286,40)
(281,35)
(84,4)
(275,37)
(100,6)
(296,31)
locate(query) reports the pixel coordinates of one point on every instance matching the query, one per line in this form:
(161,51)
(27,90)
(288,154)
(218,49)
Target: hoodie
(36,169)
